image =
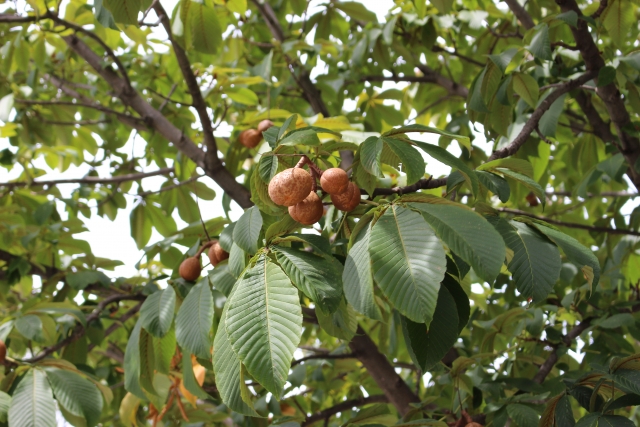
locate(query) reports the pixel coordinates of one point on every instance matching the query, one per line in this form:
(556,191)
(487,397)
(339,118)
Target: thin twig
(90,179)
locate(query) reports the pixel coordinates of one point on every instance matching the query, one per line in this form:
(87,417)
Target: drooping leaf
(540,45)
(132,362)
(156,313)
(195,319)
(206,34)
(76,394)
(32,402)
(496,184)
(412,162)
(264,323)
(222,279)
(523,415)
(340,324)
(247,230)
(370,152)
(408,262)
(527,87)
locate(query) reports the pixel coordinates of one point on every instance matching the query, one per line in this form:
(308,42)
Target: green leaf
(162,222)
(140,227)
(503,59)
(475,100)
(549,120)
(195,319)
(523,415)
(206,34)
(32,404)
(624,401)
(374,415)
(284,226)
(124,11)
(243,95)
(535,264)
(147,363)
(228,372)
(237,6)
(370,153)
(357,278)
(463,306)
(496,184)
(356,10)
(633,59)
(615,421)
(412,162)
(428,345)
(43,212)
(30,327)
(575,252)
(618,18)
(156,313)
(408,262)
(564,414)
(303,136)
(222,279)
(464,140)
(527,182)
(589,420)
(264,323)
(164,349)
(76,394)
(316,276)
(606,76)
(443,6)
(237,260)
(268,167)
(540,45)
(570,17)
(449,159)
(341,324)
(467,233)
(517,165)
(247,230)
(82,279)
(616,321)
(132,363)
(527,87)
(189,379)
(490,82)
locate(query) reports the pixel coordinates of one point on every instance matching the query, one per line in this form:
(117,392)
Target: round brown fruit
(309,211)
(290,186)
(334,181)
(190,269)
(348,200)
(250,138)
(264,125)
(217,254)
(3,352)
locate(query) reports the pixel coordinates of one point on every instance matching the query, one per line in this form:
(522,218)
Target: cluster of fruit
(296,189)
(250,138)
(190,269)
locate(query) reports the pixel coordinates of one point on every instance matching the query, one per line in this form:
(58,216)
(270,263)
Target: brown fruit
(334,181)
(250,138)
(190,269)
(290,186)
(348,200)
(264,125)
(217,254)
(309,211)
(3,352)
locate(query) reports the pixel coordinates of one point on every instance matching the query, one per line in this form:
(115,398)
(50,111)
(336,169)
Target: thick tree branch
(592,228)
(600,128)
(520,12)
(533,121)
(341,407)
(91,179)
(160,123)
(552,359)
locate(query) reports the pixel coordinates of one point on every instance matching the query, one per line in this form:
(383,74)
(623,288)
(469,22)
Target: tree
(505,293)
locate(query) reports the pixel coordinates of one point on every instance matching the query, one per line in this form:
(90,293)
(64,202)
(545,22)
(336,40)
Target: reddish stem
(204,247)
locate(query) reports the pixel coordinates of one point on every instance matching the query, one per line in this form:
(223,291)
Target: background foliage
(506,292)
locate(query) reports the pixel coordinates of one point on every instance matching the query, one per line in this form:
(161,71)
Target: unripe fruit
(348,200)
(250,138)
(309,211)
(264,125)
(334,181)
(3,352)
(290,186)
(217,254)
(190,269)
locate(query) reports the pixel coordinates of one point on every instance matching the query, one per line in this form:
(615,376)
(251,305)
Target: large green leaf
(206,34)
(247,230)
(76,394)
(535,264)
(195,319)
(228,372)
(449,159)
(575,252)
(527,87)
(618,18)
(316,276)
(188,378)
(523,415)
(5,403)
(467,233)
(496,184)
(370,153)
(408,262)
(30,327)
(156,313)
(427,345)
(340,324)
(412,162)
(357,278)
(222,279)
(264,323)
(124,11)
(540,45)
(132,363)
(32,404)
(140,226)
(147,363)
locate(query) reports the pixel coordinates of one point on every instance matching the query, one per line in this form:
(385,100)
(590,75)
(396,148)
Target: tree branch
(520,12)
(128,315)
(91,179)
(323,356)
(532,123)
(85,105)
(343,406)
(422,184)
(572,224)
(552,359)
